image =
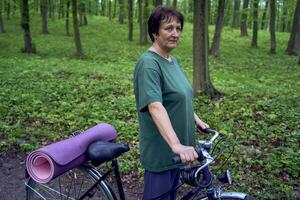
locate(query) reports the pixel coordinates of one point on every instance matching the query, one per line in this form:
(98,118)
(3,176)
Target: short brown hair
(162,13)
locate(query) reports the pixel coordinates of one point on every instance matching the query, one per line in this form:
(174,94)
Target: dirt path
(12,178)
(12,175)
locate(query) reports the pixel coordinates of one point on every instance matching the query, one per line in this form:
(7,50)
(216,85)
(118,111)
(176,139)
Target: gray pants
(158,183)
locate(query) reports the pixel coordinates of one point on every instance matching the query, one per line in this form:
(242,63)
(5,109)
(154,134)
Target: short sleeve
(149,87)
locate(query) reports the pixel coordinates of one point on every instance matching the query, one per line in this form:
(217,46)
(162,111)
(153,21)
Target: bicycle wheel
(71,186)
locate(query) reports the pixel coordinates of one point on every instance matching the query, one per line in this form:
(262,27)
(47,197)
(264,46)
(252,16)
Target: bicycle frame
(115,169)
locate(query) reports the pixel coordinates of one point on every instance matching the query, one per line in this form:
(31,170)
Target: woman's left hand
(200,124)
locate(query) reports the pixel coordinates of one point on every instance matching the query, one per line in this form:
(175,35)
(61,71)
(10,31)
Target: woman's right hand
(187,153)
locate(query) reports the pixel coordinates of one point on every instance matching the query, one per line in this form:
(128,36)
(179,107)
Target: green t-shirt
(158,80)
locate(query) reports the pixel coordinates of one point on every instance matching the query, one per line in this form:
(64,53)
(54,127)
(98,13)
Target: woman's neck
(156,48)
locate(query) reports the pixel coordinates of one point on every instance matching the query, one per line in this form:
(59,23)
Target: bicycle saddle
(100,151)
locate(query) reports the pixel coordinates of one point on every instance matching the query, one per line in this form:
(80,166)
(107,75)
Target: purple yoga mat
(50,161)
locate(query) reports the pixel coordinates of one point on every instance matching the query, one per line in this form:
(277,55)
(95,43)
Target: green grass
(46,96)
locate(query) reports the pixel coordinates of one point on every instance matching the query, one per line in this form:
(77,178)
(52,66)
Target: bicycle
(87,182)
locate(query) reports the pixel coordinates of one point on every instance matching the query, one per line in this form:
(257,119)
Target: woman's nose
(175,32)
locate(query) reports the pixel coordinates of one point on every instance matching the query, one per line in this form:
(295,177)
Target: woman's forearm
(163,123)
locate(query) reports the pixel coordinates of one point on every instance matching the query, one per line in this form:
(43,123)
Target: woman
(164,100)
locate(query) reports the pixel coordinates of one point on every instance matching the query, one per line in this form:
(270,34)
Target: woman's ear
(155,35)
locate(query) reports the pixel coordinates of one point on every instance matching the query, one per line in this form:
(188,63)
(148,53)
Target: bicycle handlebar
(204,146)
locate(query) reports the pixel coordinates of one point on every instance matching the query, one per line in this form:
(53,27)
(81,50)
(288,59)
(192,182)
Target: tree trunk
(102,10)
(82,15)
(68,18)
(264,16)
(228,14)
(79,51)
(201,79)
(90,7)
(121,11)
(236,14)
(255,23)
(143,21)
(272,25)
(174,4)
(50,2)
(283,17)
(294,41)
(1,19)
(44,12)
(109,11)
(140,20)
(61,9)
(96,7)
(14,7)
(115,9)
(7,2)
(28,46)
(130,20)
(244,31)
(215,48)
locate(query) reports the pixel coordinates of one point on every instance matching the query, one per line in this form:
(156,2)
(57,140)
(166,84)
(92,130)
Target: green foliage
(47,96)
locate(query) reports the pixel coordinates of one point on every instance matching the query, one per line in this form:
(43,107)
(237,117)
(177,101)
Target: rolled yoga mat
(50,161)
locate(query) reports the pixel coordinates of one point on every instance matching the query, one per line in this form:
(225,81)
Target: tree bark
(61,13)
(82,15)
(50,2)
(102,11)
(79,51)
(215,48)
(109,11)
(272,25)
(174,4)
(283,17)
(294,40)
(255,24)
(115,9)
(236,14)
(143,21)
(244,31)
(263,20)
(130,20)
(96,7)
(121,11)
(8,6)
(68,18)
(28,46)
(1,19)
(44,12)
(201,79)
(14,7)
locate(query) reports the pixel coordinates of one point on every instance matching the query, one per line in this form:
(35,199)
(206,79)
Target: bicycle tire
(71,185)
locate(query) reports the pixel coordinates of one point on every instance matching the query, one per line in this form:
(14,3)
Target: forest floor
(12,176)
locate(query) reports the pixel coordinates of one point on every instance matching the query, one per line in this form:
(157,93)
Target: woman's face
(168,34)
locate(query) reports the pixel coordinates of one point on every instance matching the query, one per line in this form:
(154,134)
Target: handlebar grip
(176,160)
(208,130)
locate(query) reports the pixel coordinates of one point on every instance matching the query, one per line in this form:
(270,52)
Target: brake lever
(208,160)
